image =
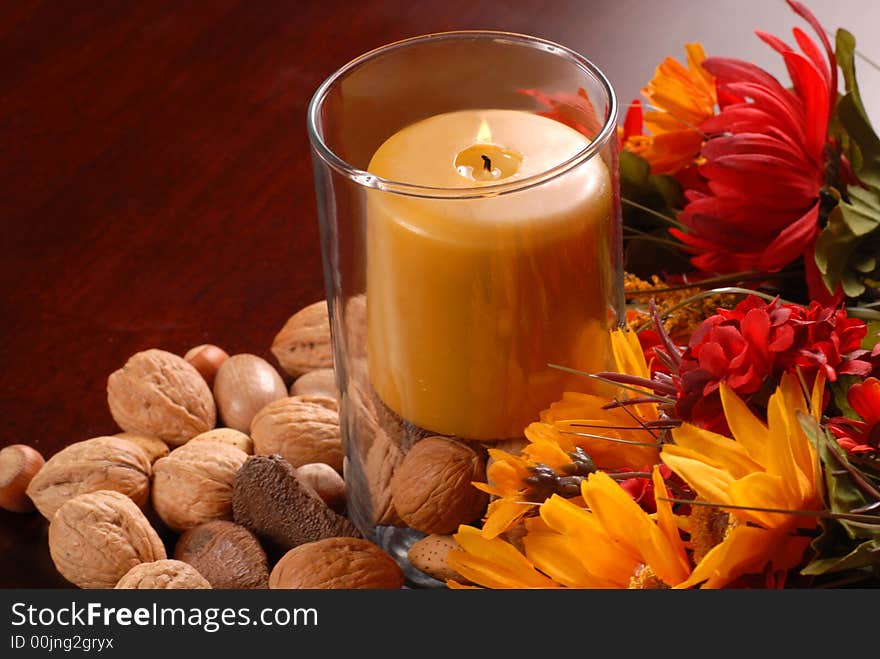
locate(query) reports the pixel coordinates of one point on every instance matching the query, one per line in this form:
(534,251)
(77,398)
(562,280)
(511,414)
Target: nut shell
(19,463)
(160,394)
(193,485)
(100,463)
(429,555)
(432,489)
(302,429)
(303,344)
(226,554)
(337,563)
(229,436)
(154,447)
(321,382)
(326,482)
(269,500)
(245,384)
(165,574)
(95,538)
(206,359)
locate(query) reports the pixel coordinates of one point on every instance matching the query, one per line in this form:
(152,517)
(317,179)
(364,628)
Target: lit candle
(469,300)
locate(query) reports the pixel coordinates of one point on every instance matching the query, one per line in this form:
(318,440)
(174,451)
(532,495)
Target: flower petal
(493,563)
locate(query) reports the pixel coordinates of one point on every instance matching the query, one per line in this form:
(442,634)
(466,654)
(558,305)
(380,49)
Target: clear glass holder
(468,198)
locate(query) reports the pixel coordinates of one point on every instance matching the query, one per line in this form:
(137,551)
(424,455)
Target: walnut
(340,563)
(165,574)
(302,429)
(383,458)
(229,436)
(303,344)
(101,463)
(95,538)
(160,394)
(227,554)
(193,485)
(432,489)
(374,457)
(154,447)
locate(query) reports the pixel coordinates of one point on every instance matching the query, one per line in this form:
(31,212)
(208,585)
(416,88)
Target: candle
(469,300)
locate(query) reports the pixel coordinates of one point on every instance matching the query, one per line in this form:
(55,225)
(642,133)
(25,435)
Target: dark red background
(155,178)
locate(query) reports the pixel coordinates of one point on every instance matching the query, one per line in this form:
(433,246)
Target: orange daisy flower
(684,98)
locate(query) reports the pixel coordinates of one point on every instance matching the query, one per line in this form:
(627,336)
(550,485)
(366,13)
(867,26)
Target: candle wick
(487,163)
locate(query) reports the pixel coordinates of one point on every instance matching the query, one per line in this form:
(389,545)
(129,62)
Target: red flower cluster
(751,346)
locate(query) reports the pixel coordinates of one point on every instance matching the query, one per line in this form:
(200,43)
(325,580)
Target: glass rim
(366,179)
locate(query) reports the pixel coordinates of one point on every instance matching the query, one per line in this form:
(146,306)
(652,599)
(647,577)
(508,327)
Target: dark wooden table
(155,178)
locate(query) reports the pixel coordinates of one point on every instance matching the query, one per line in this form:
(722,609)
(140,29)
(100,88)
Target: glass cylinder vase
(468,198)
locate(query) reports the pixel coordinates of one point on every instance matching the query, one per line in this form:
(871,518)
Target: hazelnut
(321,382)
(100,463)
(165,574)
(226,554)
(303,344)
(326,482)
(95,538)
(19,463)
(161,395)
(245,384)
(269,500)
(206,359)
(432,489)
(154,447)
(302,429)
(229,436)
(193,485)
(340,563)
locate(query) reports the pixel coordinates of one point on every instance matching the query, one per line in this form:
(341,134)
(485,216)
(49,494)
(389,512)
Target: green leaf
(851,110)
(835,247)
(841,493)
(867,554)
(872,337)
(862,214)
(839,392)
(650,203)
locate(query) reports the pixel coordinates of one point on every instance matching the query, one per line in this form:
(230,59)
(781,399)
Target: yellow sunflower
(765,468)
(574,437)
(610,543)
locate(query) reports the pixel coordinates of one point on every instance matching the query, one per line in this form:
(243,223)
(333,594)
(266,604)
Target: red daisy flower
(860,436)
(764,160)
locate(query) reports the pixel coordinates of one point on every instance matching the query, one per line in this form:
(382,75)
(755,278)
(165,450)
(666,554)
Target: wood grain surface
(156,185)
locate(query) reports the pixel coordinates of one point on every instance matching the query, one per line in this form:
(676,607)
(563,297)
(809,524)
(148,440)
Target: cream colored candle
(468,300)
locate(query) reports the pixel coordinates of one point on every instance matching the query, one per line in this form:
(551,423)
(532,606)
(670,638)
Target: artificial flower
(763,470)
(574,437)
(684,98)
(860,436)
(749,347)
(609,542)
(764,160)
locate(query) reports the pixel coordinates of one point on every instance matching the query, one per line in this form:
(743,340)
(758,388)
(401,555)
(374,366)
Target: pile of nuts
(244,474)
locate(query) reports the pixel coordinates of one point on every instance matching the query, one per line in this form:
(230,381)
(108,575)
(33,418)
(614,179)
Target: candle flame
(484,134)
